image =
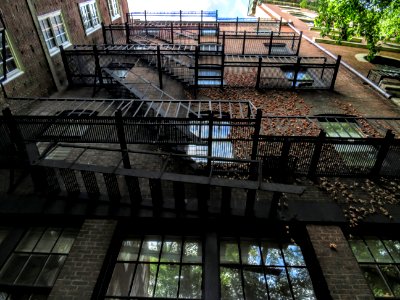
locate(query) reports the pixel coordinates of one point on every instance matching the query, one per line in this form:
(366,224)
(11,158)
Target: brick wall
(340,268)
(23,35)
(78,277)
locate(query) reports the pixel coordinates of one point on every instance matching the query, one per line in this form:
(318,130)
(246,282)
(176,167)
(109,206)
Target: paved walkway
(349,88)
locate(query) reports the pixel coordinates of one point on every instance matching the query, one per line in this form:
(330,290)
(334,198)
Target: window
(114,10)
(379,260)
(54,32)
(263,269)
(35,263)
(90,16)
(155,266)
(8,64)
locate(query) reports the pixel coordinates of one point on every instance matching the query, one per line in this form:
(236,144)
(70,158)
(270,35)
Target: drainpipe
(348,67)
(49,61)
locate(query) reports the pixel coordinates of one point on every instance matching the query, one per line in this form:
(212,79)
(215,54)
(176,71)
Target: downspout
(348,67)
(49,61)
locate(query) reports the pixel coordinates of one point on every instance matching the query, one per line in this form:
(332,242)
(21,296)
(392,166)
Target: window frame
(14,243)
(48,17)
(16,72)
(161,239)
(89,10)
(375,263)
(114,9)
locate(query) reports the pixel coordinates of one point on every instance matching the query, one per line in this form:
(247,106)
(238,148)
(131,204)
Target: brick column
(78,277)
(340,268)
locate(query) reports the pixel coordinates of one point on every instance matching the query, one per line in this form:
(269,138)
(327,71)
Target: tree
(373,19)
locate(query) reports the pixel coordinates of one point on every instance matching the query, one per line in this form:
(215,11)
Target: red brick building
(35,29)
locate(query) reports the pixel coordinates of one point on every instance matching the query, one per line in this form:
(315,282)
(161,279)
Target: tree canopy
(376,20)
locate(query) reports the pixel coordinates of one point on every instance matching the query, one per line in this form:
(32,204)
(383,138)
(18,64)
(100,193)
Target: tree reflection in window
(258,269)
(379,261)
(157,267)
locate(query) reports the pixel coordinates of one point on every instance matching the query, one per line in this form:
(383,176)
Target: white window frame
(90,16)
(15,72)
(113,7)
(52,32)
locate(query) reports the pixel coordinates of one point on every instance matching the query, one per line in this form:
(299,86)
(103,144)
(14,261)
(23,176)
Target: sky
(226,8)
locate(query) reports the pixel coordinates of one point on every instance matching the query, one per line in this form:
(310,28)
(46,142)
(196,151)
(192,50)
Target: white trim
(88,4)
(12,75)
(114,4)
(56,49)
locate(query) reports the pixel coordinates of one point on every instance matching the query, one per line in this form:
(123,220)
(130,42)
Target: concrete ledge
(355,45)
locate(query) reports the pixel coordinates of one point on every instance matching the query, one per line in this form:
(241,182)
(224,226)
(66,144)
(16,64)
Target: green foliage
(373,19)
(303,3)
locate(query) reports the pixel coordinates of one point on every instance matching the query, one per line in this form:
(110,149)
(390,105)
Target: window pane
(375,281)
(231,284)
(12,268)
(51,270)
(254,283)
(394,249)
(301,283)
(30,239)
(272,254)
(32,269)
(378,250)
(250,252)
(48,240)
(292,254)
(151,249)
(360,251)
(65,242)
(143,284)
(229,252)
(278,284)
(171,251)
(121,279)
(167,281)
(190,285)
(392,276)
(192,252)
(129,250)
(3,296)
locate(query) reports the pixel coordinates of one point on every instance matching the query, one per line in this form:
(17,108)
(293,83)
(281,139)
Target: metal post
(273,212)
(335,72)
(258,25)
(382,153)
(180,17)
(159,67)
(216,15)
(316,154)
(131,181)
(217,33)
(4,54)
(103,29)
(201,17)
(119,123)
(259,72)
(112,35)
(284,160)
(244,43)
(199,34)
(145,18)
(270,42)
(97,64)
(280,25)
(296,72)
(172,33)
(298,45)
(237,21)
(256,135)
(66,65)
(196,69)
(222,64)
(210,140)
(127,33)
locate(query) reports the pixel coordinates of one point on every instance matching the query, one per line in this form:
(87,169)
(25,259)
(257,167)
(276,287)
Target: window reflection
(378,260)
(159,267)
(253,269)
